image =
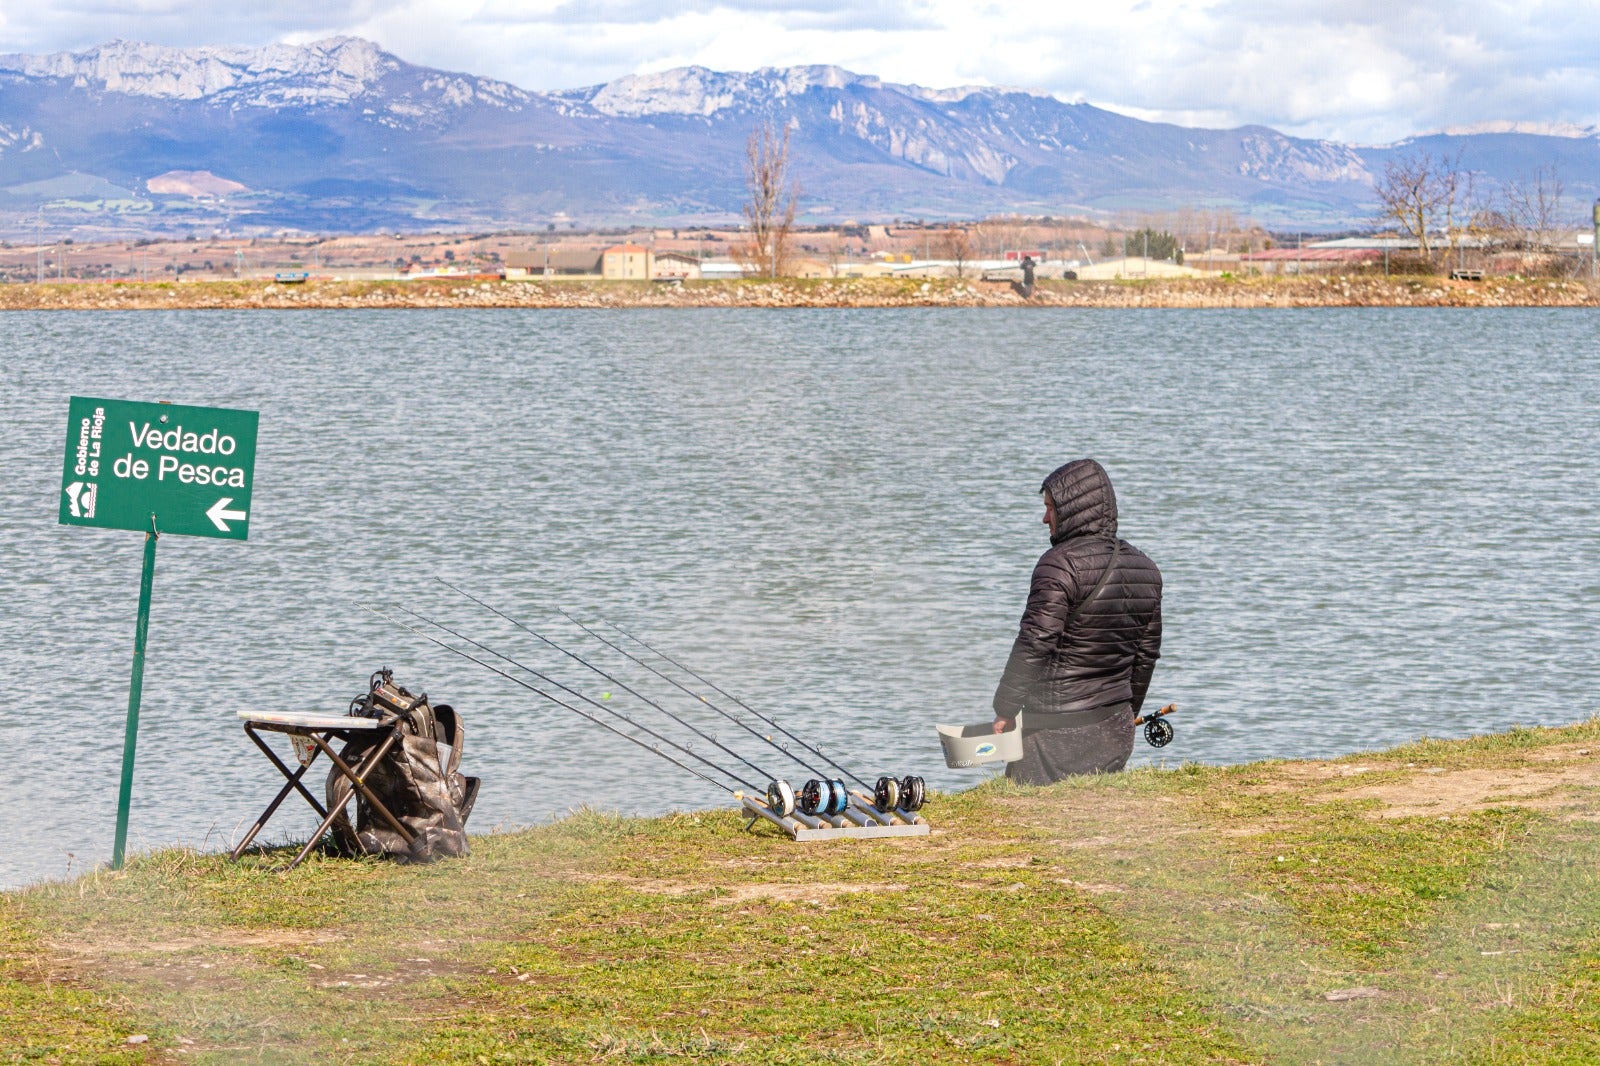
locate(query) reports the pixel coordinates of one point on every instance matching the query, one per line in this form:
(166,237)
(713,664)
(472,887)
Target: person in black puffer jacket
(1084,654)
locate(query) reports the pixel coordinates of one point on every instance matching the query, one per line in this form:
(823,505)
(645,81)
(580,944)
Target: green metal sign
(188,470)
(157,468)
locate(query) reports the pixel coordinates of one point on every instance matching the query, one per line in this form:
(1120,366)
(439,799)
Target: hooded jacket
(1108,652)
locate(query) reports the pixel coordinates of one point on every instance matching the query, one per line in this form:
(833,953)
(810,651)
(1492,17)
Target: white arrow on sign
(217,513)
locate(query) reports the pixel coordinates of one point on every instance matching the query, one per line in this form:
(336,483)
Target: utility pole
(1594,249)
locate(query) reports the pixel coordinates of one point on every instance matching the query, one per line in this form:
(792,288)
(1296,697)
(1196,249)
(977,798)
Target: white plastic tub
(979,745)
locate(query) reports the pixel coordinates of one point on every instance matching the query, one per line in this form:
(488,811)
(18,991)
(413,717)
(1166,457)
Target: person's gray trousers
(1050,754)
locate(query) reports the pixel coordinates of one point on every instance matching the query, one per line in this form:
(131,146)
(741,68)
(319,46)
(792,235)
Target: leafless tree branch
(770,210)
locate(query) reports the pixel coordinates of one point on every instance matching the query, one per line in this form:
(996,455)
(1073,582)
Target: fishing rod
(686,749)
(577,710)
(826,796)
(706,681)
(698,697)
(614,680)
(821,794)
(673,681)
(888,793)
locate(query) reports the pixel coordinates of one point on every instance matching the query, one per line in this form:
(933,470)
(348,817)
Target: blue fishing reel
(829,798)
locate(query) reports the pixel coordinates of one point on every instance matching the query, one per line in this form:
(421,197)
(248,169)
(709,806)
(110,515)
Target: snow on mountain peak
(1536,129)
(703,92)
(331,72)
(700,91)
(326,71)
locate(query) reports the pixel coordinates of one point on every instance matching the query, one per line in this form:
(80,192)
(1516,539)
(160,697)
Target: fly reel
(912,793)
(886,795)
(823,797)
(832,798)
(780,797)
(1158,732)
(906,793)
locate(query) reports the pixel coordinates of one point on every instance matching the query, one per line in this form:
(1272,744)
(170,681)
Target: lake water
(1374,525)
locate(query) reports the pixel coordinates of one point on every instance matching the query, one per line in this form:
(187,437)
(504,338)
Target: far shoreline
(1358,290)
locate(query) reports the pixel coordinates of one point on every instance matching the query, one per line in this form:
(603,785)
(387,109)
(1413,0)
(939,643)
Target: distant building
(721,269)
(552,262)
(626,262)
(864,268)
(808,268)
(675,266)
(1310,260)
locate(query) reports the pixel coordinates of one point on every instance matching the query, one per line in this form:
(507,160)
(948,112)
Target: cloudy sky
(1366,71)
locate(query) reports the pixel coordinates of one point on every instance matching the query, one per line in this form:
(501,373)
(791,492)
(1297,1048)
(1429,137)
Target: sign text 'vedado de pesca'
(187,470)
(171,445)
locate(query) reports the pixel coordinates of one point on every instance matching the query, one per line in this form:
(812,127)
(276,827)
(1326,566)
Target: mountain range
(341,136)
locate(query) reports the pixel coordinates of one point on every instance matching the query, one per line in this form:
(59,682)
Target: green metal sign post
(158,468)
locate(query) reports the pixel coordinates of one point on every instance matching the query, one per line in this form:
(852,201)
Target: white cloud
(1358,70)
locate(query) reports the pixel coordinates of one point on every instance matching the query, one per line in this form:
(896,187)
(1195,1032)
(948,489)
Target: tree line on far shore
(1450,214)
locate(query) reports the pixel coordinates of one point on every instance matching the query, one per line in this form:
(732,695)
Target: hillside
(341,136)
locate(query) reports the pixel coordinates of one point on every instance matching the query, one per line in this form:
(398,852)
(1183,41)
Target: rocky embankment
(1336,291)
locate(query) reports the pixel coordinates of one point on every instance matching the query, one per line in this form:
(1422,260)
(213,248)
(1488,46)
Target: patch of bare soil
(218,939)
(1568,778)
(1444,792)
(777,891)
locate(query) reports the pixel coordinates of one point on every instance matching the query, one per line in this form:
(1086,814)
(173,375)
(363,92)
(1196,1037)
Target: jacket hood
(1085,504)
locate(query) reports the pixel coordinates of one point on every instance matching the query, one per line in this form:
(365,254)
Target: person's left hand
(1004,725)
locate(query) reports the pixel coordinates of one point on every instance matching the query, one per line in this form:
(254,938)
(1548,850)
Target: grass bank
(1432,904)
(1211,291)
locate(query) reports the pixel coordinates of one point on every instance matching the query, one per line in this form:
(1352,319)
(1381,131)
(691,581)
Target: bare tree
(1532,207)
(770,210)
(956,244)
(1419,193)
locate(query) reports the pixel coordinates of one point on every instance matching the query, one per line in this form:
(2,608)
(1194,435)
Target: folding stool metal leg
(357,778)
(293,783)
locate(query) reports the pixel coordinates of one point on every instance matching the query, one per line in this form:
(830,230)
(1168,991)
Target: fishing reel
(780,797)
(907,794)
(823,797)
(886,795)
(1158,732)
(832,798)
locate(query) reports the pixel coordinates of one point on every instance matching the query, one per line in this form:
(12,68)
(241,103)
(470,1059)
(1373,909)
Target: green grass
(47,1013)
(1277,912)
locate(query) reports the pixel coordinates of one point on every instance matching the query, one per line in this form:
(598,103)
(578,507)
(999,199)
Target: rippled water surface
(1374,525)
